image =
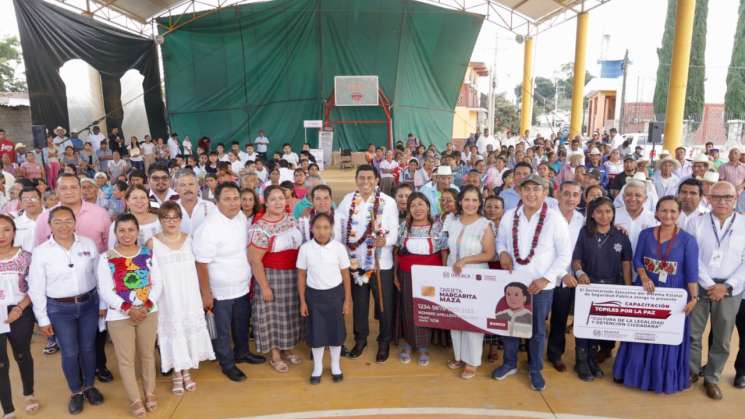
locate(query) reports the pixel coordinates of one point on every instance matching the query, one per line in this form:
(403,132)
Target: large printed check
(630,314)
(478,300)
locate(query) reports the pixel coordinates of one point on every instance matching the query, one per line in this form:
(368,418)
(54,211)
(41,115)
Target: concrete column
(578,87)
(676,93)
(526,102)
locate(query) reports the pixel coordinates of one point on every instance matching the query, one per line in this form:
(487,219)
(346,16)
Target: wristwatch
(729,290)
(578,273)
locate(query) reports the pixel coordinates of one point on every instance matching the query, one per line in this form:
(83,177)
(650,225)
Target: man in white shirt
(31,206)
(249,154)
(569,197)
(61,141)
(194,209)
(95,138)
(173,147)
(359,206)
(546,261)
(690,192)
(62,287)
(487,140)
(685,168)
(225,278)
(721,270)
(387,167)
(289,156)
(634,217)
(262,143)
(616,138)
(159,181)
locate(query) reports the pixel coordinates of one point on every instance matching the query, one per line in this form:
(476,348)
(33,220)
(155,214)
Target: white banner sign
(313,123)
(326,143)
(630,314)
(478,300)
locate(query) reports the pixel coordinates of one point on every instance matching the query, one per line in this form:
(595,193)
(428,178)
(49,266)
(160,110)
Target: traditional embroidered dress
(418,245)
(131,277)
(277,324)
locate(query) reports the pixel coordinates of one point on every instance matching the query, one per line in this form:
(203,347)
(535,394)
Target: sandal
(293,359)
(32,404)
(468,373)
(279,366)
(178,385)
(137,409)
(189,383)
(454,365)
(151,402)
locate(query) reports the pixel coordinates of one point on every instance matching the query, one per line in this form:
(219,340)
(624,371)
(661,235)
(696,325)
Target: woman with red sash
(419,243)
(272,251)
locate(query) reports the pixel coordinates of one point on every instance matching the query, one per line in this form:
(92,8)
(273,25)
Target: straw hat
(660,162)
(709,177)
(444,171)
(702,158)
(64,131)
(640,176)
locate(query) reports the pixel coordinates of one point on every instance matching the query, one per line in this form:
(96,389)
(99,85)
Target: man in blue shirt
(442,179)
(511,196)
(594,163)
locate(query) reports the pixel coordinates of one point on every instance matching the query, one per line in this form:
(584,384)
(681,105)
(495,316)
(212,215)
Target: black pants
(740,324)
(361,309)
(560,309)
(101,350)
(20,341)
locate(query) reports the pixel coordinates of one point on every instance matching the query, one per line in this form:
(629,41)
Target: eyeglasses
(30,199)
(722,198)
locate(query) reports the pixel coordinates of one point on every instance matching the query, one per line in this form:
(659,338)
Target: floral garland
(536,235)
(359,274)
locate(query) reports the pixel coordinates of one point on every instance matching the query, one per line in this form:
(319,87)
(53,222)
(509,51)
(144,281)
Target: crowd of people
(181,254)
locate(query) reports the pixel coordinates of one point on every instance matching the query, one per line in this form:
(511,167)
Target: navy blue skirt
(325,323)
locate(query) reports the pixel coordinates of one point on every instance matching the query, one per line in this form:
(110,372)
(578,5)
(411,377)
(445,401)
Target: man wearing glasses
(160,186)
(721,238)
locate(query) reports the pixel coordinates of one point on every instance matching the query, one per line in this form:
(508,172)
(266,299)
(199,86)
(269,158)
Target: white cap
(444,170)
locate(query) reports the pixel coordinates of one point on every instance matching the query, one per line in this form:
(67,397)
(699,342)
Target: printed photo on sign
(487,301)
(629,314)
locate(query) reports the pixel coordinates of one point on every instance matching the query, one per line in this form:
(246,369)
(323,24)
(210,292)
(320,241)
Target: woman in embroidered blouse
(471,243)
(656,367)
(137,203)
(419,243)
(272,252)
(130,291)
(19,327)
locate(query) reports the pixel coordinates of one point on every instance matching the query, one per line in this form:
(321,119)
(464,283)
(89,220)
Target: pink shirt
(733,173)
(92,222)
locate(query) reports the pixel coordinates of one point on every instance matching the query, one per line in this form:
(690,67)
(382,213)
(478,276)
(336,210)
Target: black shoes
(234,374)
(382,355)
(359,347)
(315,380)
(104,375)
(93,396)
(344,351)
(76,404)
(250,358)
(740,381)
(337,378)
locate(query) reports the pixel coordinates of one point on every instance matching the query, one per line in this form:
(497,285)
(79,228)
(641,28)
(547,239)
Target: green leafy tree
(694,103)
(566,82)
(505,114)
(543,96)
(734,99)
(10,58)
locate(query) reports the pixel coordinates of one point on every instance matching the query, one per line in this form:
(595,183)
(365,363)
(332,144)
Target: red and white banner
(630,314)
(487,301)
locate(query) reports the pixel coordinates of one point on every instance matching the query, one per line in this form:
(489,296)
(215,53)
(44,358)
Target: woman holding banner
(471,243)
(602,255)
(419,243)
(665,257)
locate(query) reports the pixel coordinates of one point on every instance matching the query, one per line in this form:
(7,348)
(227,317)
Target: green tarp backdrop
(271,65)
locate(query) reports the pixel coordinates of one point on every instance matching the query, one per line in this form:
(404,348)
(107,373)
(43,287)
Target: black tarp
(51,36)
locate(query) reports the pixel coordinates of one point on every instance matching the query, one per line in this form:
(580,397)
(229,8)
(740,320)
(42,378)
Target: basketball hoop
(356,90)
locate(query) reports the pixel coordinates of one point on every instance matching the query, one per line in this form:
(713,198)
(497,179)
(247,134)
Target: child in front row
(325,294)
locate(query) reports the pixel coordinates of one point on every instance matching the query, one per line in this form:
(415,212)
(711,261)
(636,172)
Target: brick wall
(17,123)
(712,127)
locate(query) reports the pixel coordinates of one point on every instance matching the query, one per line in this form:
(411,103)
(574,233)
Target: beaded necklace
(536,235)
(368,230)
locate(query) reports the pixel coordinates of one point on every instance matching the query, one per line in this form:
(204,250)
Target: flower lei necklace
(536,235)
(368,230)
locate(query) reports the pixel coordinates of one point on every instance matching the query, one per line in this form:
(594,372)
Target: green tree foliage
(694,104)
(566,82)
(543,95)
(734,99)
(505,114)
(10,58)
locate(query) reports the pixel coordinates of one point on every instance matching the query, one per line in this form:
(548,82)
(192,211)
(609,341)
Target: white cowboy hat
(595,151)
(664,160)
(444,171)
(709,177)
(640,176)
(702,158)
(64,131)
